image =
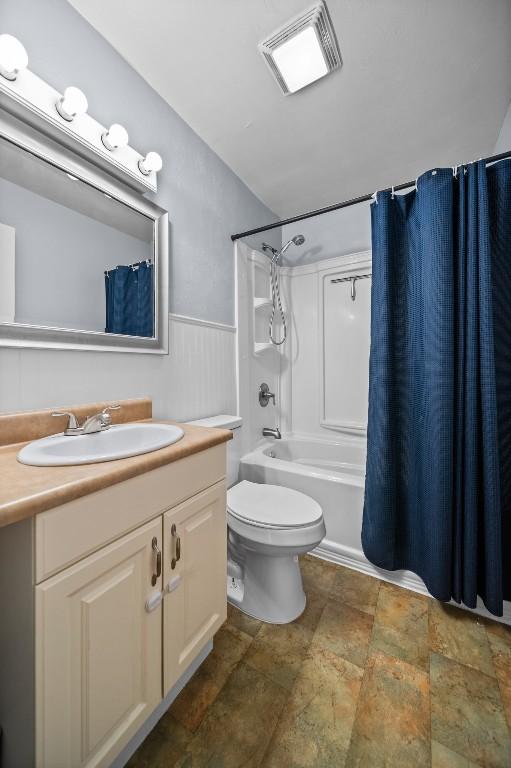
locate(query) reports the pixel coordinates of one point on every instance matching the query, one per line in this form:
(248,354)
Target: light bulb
(115,137)
(13,57)
(151,162)
(72,103)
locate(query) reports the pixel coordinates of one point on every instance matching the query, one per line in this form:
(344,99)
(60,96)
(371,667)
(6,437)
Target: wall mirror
(83,259)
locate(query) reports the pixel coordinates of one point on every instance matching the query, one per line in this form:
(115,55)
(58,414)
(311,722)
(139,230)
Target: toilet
(269,526)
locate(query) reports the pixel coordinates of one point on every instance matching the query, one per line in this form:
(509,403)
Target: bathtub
(333,473)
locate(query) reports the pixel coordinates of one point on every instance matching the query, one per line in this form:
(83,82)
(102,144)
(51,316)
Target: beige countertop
(26,490)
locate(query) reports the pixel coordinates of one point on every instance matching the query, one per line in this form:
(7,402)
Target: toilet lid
(272,506)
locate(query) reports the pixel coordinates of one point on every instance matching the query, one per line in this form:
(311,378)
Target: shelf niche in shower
(261,303)
(260,347)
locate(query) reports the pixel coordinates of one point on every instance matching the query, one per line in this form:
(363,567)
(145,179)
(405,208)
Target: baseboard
(355,559)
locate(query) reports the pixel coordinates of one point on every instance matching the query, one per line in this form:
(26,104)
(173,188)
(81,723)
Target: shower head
(296,240)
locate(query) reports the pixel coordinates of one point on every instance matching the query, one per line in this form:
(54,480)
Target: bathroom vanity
(112,587)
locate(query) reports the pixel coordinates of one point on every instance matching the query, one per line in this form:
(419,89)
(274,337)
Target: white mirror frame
(18,335)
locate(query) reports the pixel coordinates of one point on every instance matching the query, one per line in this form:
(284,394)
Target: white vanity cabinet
(195,567)
(98,653)
(130,588)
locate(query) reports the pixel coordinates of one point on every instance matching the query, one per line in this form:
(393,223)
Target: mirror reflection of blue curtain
(438,480)
(129,300)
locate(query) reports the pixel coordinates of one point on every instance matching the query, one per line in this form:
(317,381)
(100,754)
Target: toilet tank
(224,421)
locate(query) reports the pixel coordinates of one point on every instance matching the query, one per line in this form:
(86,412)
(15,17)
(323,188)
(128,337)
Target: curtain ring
(375,197)
(455,171)
(392,193)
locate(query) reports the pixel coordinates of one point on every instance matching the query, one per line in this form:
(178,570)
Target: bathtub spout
(269,432)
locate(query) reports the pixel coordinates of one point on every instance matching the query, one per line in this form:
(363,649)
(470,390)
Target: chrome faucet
(96,423)
(99,421)
(269,432)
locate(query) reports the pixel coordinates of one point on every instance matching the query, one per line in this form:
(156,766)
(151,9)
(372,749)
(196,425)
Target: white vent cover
(304,50)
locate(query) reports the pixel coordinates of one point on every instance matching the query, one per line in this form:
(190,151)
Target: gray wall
(60,259)
(347,230)
(504,141)
(205,199)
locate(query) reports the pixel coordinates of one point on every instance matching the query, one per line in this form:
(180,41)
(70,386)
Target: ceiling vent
(304,50)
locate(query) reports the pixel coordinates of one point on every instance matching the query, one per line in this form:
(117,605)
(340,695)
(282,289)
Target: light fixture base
(108,144)
(12,75)
(62,112)
(142,168)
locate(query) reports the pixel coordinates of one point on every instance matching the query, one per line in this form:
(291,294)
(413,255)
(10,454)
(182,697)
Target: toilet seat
(272,507)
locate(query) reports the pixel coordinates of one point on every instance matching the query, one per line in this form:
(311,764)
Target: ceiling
(423,83)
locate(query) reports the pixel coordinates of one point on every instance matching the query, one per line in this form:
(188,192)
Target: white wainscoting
(202,376)
(197,378)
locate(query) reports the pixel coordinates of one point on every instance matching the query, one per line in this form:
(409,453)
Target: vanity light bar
(65,118)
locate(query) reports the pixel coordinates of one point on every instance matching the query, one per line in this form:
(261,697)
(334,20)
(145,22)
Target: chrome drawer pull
(177,546)
(158,561)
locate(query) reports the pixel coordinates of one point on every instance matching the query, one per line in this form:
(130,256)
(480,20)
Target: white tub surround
(258,361)
(325,370)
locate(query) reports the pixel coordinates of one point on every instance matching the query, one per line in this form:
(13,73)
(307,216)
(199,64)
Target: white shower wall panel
(328,354)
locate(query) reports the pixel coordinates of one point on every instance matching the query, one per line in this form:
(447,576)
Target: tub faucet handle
(265,395)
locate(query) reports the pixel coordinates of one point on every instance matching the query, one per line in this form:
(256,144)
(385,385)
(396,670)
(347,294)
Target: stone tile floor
(370,675)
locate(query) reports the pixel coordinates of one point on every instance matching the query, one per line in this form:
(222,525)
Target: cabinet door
(195,604)
(98,653)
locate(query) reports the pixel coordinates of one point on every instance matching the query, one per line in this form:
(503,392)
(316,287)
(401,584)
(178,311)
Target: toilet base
(270,589)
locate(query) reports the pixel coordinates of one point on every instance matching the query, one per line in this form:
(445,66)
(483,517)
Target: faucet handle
(265,395)
(111,407)
(72,420)
(106,419)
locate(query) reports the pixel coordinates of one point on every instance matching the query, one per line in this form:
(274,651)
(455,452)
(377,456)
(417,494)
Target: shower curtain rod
(345,203)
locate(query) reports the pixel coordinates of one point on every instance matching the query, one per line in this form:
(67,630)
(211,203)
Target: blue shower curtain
(438,477)
(129,300)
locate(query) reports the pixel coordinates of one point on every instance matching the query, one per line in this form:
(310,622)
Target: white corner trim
(355,559)
(197,321)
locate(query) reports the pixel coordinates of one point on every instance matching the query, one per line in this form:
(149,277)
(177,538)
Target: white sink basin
(118,442)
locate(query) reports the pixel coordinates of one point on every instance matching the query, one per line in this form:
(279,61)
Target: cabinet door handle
(158,561)
(177,547)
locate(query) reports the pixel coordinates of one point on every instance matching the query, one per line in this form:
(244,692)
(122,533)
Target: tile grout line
(497,678)
(363,678)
